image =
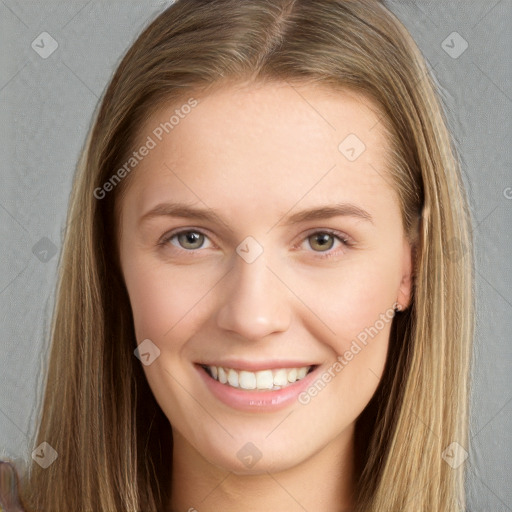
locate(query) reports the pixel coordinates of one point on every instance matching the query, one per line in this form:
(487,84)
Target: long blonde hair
(114,443)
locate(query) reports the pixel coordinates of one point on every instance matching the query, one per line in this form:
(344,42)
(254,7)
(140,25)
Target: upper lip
(254,366)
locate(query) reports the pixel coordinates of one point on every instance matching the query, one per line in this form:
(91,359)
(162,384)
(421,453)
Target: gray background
(45,111)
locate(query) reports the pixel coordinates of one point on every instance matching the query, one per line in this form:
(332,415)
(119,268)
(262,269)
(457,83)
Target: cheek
(357,316)
(353,306)
(164,300)
(349,300)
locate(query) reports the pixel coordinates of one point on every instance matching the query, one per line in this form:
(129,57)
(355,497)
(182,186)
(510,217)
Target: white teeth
(292,375)
(233,378)
(281,377)
(263,379)
(247,380)
(222,376)
(301,373)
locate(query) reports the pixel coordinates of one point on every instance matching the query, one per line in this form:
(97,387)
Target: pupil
(191,238)
(323,241)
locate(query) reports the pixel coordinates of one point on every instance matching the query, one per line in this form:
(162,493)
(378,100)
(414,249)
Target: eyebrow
(207,214)
(328,211)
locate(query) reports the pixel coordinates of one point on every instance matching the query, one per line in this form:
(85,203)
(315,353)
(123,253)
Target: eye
(188,240)
(323,241)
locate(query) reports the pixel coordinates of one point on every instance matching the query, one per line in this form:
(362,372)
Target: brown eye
(190,239)
(321,241)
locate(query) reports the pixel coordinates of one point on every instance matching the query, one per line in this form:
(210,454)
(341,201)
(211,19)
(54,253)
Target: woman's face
(261,239)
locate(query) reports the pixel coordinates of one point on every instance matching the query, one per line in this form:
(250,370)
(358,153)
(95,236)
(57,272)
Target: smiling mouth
(263,380)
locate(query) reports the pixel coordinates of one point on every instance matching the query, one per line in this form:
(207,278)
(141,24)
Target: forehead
(274,143)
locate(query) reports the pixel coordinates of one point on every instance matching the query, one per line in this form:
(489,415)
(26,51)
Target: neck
(324,481)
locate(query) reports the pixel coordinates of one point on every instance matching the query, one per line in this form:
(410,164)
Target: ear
(405,288)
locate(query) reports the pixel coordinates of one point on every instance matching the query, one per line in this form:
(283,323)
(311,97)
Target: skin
(255,154)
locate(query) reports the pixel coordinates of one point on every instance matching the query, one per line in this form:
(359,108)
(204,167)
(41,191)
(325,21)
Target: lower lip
(257,401)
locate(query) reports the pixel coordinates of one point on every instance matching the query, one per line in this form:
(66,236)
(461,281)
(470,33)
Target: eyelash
(330,253)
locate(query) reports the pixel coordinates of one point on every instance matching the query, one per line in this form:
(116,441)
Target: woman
(263,303)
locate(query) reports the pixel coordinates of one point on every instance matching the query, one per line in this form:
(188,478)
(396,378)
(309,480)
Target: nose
(255,302)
